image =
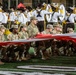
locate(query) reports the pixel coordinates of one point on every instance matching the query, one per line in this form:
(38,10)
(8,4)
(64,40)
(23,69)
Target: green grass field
(53,61)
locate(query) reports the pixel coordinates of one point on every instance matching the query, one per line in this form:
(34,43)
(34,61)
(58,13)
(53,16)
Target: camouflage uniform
(32,30)
(2,37)
(57,29)
(23,35)
(12,36)
(49,29)
(12,50)
(45,32)
(44,50)
(54,32)
(23,52)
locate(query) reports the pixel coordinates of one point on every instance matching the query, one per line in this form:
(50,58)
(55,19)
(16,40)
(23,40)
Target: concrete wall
(55,1)
(0,1)
(28,2)
(60,1)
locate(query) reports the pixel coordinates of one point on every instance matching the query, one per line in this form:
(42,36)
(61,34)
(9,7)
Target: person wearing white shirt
(49,15)
(12,15)
(71,19)
(22,18)
(5,18)
(55,17)
(55,14)
(67,16)
(29,14)
(66,21)
(1,16)
(40,15)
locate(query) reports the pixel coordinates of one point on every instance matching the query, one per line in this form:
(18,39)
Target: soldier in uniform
(14,34)
(2,39)
(46,49)
(13,50)
(70,30)
(57,29)
(32,28)
(48,30)
(23,32)
(2,30)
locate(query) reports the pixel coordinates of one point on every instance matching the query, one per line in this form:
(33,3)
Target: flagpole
(8,4)
(73,2)
(16,3)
